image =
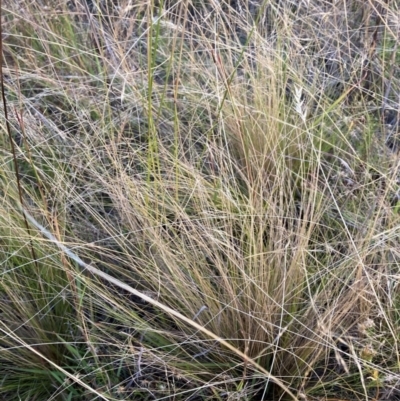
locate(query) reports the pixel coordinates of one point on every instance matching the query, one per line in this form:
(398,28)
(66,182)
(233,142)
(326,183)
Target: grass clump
(207,205)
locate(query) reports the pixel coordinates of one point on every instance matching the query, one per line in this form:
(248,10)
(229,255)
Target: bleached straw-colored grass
(211,191)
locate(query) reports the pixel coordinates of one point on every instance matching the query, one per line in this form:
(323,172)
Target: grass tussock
(208,200)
